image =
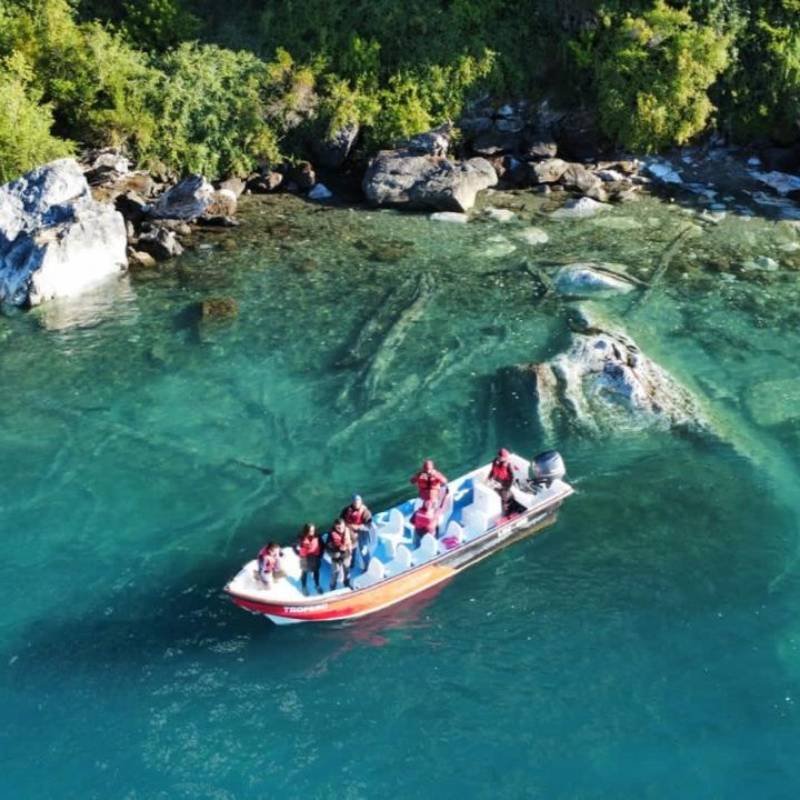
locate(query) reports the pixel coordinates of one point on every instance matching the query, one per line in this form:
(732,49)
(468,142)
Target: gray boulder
(431,143)
(191,198)
(577,177)
(550,170)
(160,243)
(333,150)
(604,382)
(55,240)
(400,178)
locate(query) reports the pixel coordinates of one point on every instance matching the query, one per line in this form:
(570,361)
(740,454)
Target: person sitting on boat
(429,480)
(501,477)
(309,548)
(358,518)
(269,564)
(425,520)
(340,547)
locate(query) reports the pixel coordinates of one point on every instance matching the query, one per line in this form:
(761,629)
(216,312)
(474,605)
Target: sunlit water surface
(647,646)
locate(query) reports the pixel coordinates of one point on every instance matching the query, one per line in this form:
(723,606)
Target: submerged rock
(774,402)
(449,216)
(500,214)
(398,178)
(218,308)
(604,381)
(589,279)
(55,240)
(579,208)
(533,236)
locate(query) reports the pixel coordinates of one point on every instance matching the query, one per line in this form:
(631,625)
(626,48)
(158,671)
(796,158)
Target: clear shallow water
(648,645)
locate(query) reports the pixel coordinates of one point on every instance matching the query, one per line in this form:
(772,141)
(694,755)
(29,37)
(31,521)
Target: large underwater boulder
(604,382)
(403,178)
(55,240)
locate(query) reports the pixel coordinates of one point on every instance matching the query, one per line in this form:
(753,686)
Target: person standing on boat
(425,520)
(501,477)
(309,548)
(358,518)
(429,481)
(340,547)
(269,564)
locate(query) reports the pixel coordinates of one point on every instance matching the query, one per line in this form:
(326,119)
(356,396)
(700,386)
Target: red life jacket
(501,472)
(355,517)
(425,520)
(337,540)
(428,484)
(309,546)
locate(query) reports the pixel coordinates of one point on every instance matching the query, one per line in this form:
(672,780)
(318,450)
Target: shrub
(652,74)
(211,106)
(25,138)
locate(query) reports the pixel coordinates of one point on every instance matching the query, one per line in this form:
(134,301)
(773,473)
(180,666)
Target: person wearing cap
(501,477)
(358,518)
(340,547)
(429,480)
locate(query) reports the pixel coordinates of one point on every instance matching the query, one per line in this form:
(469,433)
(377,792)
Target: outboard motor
(546,468)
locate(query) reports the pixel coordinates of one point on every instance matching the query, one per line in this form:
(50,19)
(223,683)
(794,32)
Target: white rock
(764,263)
(449,216)
(609,175)
(588,279)
(532,236)
(790,247)
(753,161)
(500,214)
(781,182)
(499,247)
(580,209)
(663,172)
(55,240)
(320,192)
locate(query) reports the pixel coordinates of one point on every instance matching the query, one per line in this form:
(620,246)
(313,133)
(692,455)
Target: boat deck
(470,509)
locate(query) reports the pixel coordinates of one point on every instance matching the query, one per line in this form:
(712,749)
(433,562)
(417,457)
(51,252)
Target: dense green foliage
(653,73)
(220,87)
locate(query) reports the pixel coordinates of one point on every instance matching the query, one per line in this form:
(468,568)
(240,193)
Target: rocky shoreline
(57,222)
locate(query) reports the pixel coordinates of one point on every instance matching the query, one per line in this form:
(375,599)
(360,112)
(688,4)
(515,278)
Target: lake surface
(647,646)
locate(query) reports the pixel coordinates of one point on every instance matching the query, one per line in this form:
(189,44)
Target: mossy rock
(214,308)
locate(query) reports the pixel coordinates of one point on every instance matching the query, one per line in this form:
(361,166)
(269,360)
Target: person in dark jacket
(340,547)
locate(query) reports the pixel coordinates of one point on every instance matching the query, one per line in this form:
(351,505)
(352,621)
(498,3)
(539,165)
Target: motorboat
(471,527)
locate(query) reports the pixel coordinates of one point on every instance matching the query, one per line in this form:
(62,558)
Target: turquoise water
(648,645)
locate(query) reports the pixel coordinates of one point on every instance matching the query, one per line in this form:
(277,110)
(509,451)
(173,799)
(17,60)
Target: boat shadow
(192,618)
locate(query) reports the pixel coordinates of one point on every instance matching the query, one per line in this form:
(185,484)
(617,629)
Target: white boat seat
(400,563)
(475,522)
(393,528)
(453,537)
(487,500)
(427,549)
(374,574)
